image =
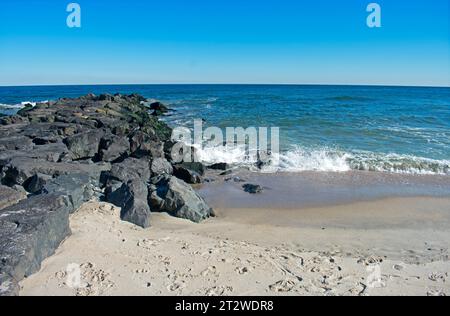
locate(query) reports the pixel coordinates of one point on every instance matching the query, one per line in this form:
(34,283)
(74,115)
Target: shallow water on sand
(308,189)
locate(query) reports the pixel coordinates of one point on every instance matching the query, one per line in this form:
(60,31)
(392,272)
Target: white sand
(232,255)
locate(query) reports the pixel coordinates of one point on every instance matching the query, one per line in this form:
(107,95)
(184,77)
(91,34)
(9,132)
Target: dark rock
(161,166)
(22,112)
(9,196)
(20,169)
(174,196)
(36,183)
(132,197)
(16,143)
(15,119)
(263,159)
(179,152)
(113,148)
(159,107)
(30,231)
(219,166)
(186,175)
(226,172)
(198,167)
(146,145)
(77,187)
(252,188)
(129,169)
(84,145)
(51,152)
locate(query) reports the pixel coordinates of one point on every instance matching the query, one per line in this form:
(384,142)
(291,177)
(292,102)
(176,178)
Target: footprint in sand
(242,270)
(371,260)
(283,286)
(91,281)
(436,292)
(212,270)
(438,277)
(176,286)
(218,291)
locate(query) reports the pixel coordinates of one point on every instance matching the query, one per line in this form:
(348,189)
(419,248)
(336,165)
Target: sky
(225,41)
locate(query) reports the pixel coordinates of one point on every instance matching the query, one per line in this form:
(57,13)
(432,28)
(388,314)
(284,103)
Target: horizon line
(226,84)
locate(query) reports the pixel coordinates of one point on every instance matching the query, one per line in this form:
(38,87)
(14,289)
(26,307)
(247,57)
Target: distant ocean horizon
(322,127)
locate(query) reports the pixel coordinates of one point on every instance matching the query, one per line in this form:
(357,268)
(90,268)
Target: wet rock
(197,167)
(220,166)
(174,196)
(187,175)
(252,188)
(158,108)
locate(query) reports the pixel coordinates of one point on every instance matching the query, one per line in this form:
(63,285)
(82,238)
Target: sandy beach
(393,246)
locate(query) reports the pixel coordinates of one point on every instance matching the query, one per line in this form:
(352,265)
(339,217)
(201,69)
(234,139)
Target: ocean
(322,128)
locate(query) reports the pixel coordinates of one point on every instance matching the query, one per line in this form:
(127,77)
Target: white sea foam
(327,160)
(19,106)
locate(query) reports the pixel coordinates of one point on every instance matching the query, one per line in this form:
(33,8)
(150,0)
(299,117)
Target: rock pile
(57,155)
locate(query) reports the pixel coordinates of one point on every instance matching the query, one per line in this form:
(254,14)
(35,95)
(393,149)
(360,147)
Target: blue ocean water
(324,128)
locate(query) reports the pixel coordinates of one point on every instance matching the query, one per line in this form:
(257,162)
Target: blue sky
(225,41)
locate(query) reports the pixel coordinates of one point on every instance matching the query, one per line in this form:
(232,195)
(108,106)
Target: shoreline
(294,190)
(232,255)
(91,175)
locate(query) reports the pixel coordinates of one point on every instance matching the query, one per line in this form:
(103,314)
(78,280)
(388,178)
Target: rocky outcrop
(66,152)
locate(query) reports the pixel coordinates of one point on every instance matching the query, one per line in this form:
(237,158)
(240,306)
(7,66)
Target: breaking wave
(327,160)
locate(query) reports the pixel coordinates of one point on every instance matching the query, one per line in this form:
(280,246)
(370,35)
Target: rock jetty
(58,155)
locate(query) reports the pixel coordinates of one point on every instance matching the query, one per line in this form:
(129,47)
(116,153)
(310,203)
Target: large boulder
(16,143)
(161,166)
(113,148)
(129,169)
(51,152)
(30,231)
(219,166)
(132,197)
(18,170)
(174,196)
(146,145)
(9,196)
(84,145)
(36,183)
(77,187)
(187,175)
